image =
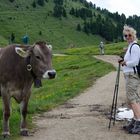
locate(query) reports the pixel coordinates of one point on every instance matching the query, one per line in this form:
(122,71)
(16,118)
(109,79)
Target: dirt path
(85,116)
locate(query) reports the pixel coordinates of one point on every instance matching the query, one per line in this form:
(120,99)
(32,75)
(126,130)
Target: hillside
(19,17)
(63,23)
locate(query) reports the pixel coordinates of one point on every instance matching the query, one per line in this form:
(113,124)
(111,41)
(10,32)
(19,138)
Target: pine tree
(78,27)
(59,2)
(11,0)
(41,2)
(72,11)
(64,14)
(58,10)
(34,4)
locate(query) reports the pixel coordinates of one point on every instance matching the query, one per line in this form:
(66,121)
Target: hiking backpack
(138,66)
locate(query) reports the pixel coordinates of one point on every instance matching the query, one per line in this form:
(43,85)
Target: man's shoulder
(134,46)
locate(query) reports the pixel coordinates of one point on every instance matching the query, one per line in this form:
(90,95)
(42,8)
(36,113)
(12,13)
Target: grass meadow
(61,34)
(110,49)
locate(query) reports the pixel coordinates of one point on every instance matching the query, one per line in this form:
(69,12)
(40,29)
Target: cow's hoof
(24,132)
(6,134)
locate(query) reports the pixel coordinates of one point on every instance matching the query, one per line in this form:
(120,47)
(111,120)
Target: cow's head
(39,60)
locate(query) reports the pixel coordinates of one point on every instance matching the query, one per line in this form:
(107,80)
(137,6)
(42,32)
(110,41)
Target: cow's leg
(6,115)
(23,109)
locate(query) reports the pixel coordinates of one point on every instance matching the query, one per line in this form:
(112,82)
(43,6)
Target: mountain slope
(19,17)
(63,23)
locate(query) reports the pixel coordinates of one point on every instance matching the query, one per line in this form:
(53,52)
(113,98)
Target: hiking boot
(129,126)
(135,129)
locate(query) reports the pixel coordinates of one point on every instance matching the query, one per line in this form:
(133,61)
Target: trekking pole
(115,98)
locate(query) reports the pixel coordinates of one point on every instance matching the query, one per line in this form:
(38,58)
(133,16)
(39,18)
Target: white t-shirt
(131,59)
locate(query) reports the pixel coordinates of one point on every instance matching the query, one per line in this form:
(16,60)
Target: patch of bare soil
(85,117)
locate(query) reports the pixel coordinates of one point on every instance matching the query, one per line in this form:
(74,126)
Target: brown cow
(20,66)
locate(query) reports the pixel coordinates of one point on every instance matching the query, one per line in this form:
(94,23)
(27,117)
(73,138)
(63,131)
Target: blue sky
(128,7)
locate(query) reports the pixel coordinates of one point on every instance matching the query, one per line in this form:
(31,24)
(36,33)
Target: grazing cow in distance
(20,67)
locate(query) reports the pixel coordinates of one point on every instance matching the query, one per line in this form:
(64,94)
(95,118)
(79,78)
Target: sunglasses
(129,35)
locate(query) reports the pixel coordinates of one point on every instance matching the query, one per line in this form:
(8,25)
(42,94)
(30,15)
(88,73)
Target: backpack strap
(130,53)
(132,46)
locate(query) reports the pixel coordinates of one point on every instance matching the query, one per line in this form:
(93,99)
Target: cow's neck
(37,82)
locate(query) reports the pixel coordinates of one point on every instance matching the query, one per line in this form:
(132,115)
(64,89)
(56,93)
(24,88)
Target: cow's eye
(38,57)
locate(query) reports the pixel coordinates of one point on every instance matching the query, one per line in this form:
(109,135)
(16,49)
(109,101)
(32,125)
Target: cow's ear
(21,52)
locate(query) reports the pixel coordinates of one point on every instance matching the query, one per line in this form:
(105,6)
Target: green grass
(3,41)
(60,35)
(74,74)
(60,32)
(114,48)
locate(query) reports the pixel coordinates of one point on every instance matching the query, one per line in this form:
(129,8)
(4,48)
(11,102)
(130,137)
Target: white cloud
(128,7)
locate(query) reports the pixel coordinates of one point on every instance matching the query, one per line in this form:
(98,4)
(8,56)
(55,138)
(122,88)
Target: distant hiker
(132,80)
(101,47)
(25,39)
(12,38)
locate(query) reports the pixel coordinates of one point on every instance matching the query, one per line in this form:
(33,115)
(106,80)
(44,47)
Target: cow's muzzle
(49,74)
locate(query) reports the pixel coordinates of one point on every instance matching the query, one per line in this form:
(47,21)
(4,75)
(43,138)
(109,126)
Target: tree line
(104,23)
